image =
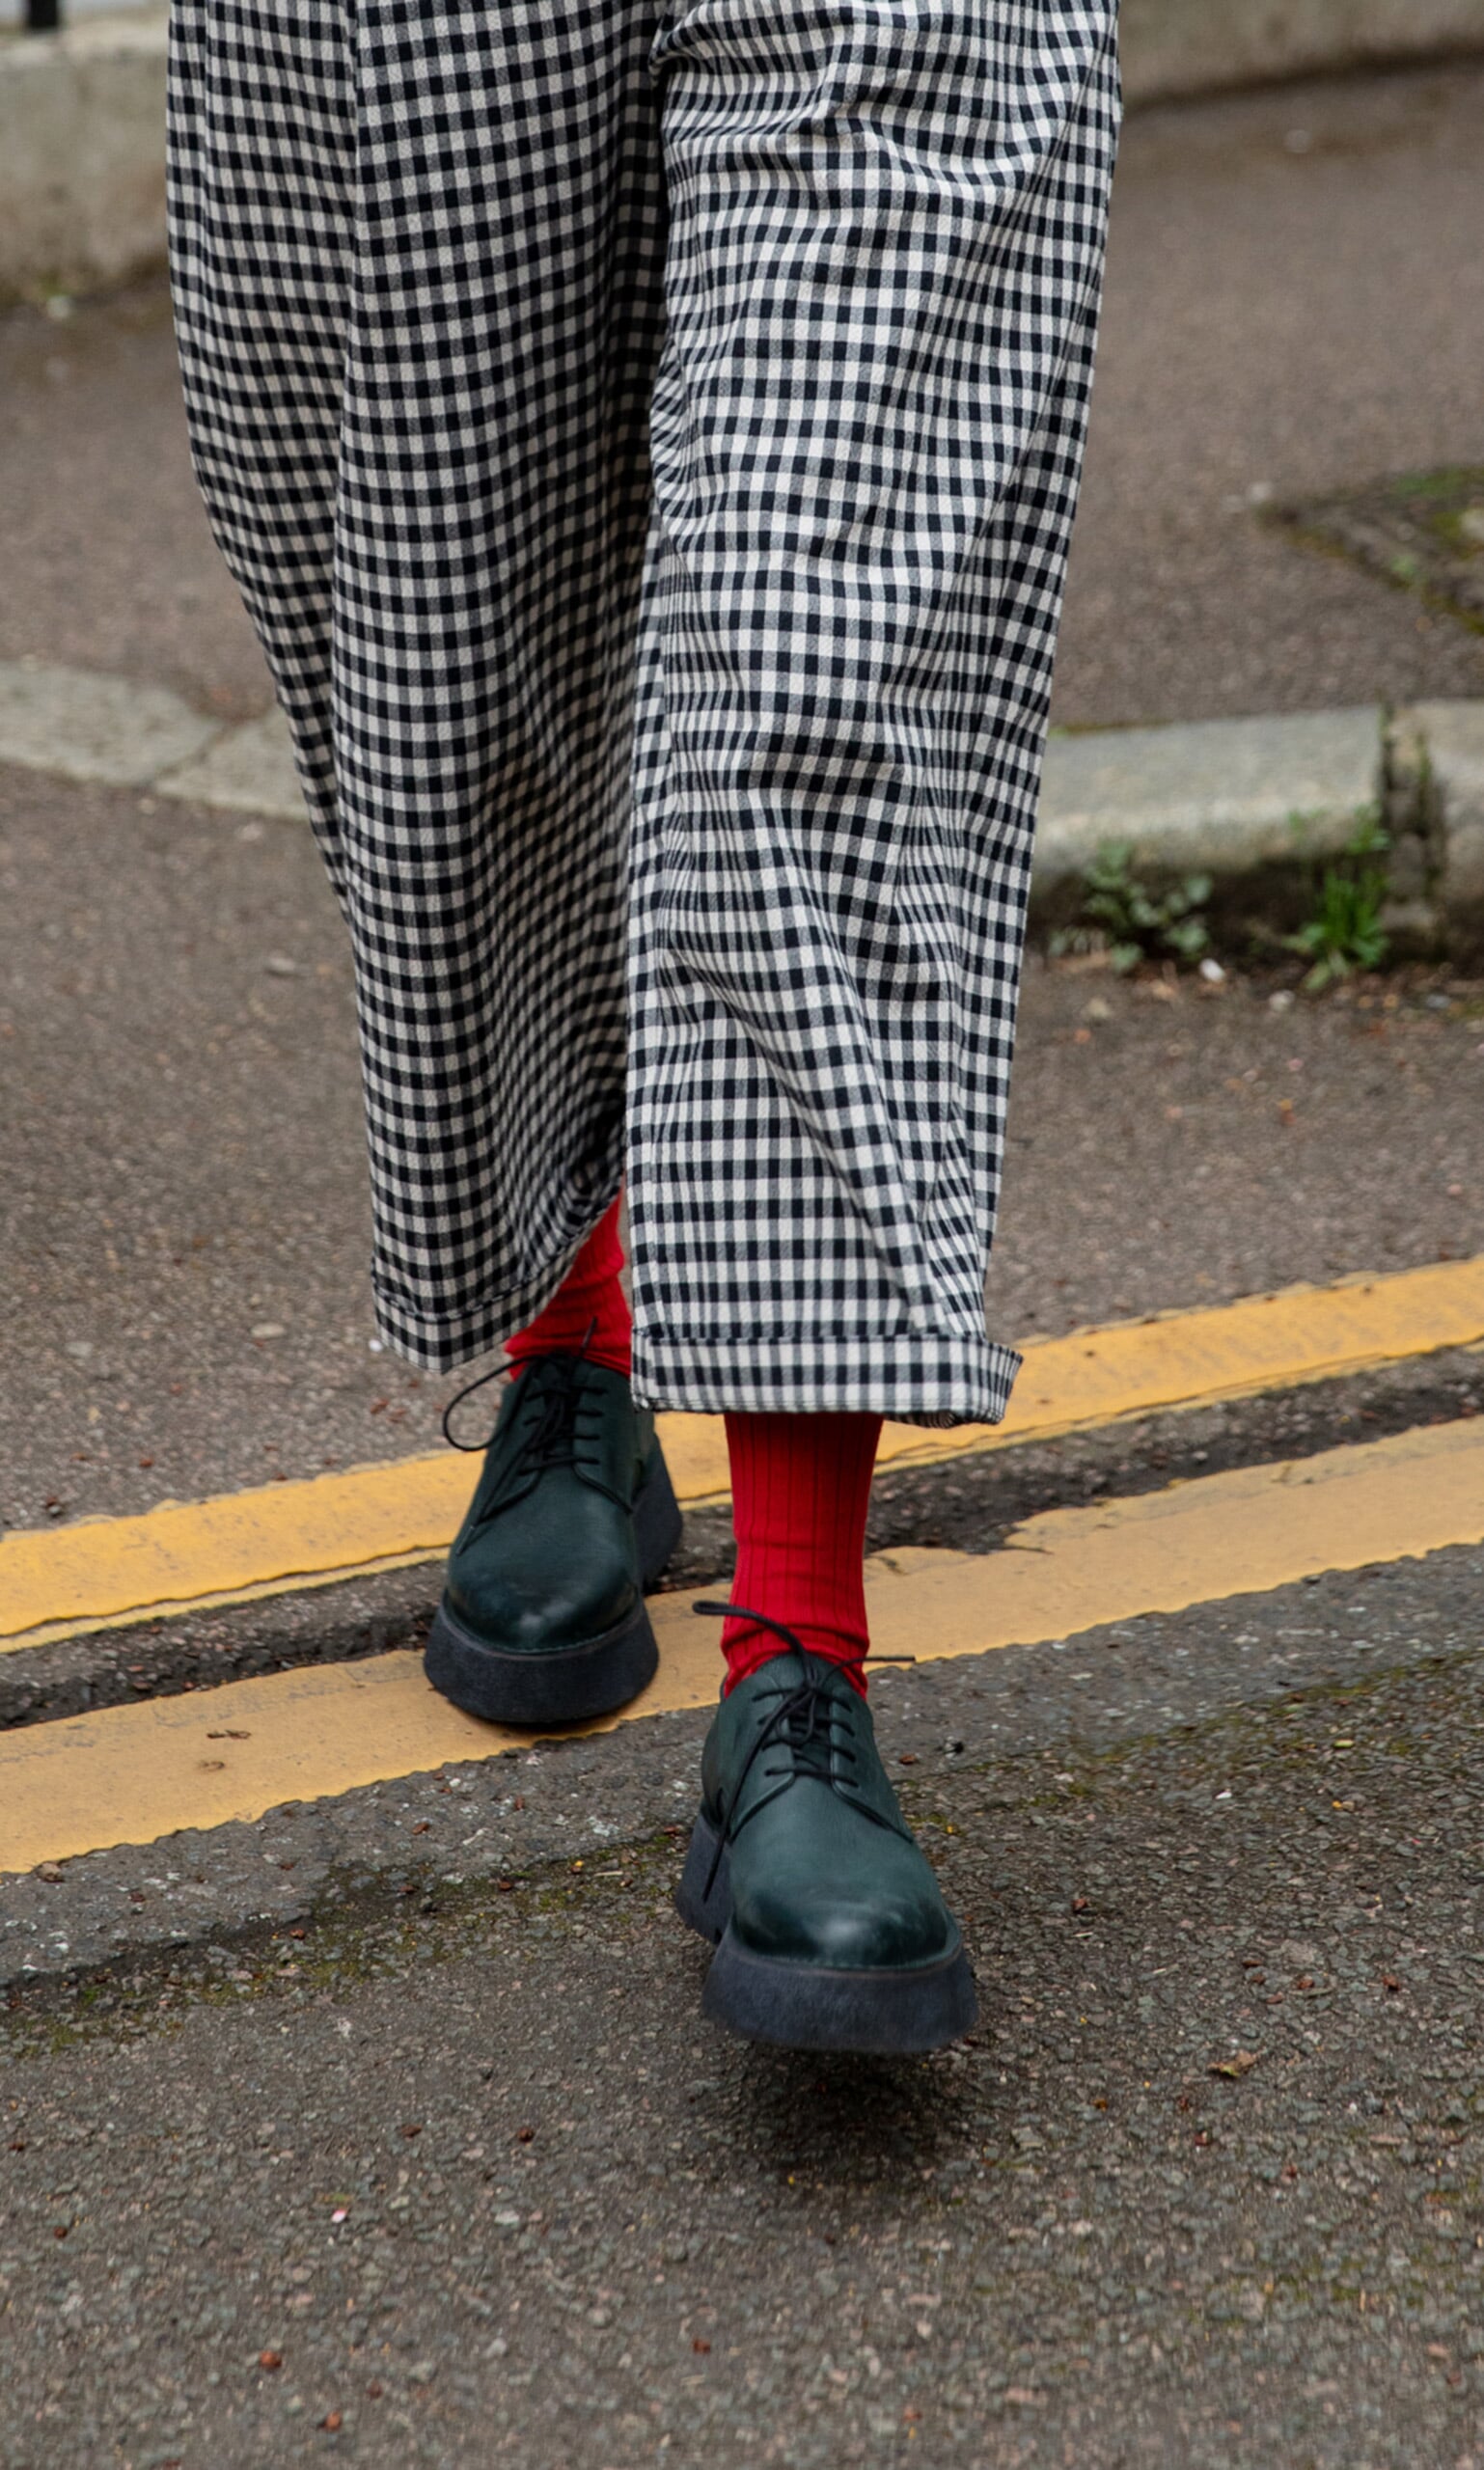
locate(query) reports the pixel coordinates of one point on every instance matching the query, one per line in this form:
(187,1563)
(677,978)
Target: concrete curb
(1434,812)
(82,114)
(84,727)
(1252,803)
(1256,804)
(1187,48)
(89,728)
(250,767)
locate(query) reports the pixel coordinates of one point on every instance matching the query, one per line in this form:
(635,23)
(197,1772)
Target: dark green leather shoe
(543,1618)
(828,1926)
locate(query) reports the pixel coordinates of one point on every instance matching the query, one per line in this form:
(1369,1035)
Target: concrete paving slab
(249,768)
(87,726)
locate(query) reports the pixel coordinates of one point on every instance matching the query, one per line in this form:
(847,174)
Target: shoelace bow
(502,1372)
(795,1724)
(552,1440)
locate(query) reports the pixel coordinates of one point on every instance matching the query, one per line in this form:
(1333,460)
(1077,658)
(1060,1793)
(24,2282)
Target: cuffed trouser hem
(912,1377)
(440,1342)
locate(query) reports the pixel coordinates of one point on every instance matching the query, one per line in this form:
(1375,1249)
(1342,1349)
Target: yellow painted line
(1271,1341)
(187,1555)
(132,1774)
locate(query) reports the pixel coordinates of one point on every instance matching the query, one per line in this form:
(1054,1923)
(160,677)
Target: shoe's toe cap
(847,1929)
(524,1611)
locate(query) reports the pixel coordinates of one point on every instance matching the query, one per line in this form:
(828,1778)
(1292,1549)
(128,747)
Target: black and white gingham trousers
(646,438)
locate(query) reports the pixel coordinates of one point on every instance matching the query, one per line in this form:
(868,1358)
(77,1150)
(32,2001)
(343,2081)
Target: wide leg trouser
(647,444)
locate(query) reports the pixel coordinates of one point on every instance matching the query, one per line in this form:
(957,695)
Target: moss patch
(1421,531)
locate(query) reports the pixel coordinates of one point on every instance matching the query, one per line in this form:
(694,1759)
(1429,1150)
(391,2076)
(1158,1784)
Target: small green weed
(1134,924)
(1345,932)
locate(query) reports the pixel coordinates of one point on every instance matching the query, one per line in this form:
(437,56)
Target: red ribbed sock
(590,1297)
(800,1492)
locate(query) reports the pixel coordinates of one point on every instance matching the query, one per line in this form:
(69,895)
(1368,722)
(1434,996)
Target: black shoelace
(552,1440)
(555,1422)
(802,1723)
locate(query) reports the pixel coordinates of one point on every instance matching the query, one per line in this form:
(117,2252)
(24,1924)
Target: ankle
(800,1489)
(589,1312)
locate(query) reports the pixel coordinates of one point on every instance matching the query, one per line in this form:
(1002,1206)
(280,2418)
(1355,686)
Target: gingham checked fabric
(647,444)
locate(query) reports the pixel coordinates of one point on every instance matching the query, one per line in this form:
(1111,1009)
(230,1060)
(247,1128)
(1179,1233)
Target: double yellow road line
(131,1774)
(187,1555)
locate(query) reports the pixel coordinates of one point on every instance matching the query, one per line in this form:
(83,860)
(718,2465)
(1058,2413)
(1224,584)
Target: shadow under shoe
(831,1930)
(543,1619)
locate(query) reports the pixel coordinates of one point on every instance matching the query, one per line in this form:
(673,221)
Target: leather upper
(547,1556)
(824,1868)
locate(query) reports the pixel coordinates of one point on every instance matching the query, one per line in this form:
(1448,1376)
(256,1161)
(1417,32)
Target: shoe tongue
(539,1420)
(824,1670)
(559,1364)
(792,1667)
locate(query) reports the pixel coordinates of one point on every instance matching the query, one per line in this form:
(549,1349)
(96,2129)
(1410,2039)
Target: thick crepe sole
(884,2011)
(567,1685)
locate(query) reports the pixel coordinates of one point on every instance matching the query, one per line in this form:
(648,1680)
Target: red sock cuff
(590,1297)
(800,1492)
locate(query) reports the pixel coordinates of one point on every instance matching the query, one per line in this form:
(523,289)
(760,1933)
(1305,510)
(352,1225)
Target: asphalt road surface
(471,2182)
